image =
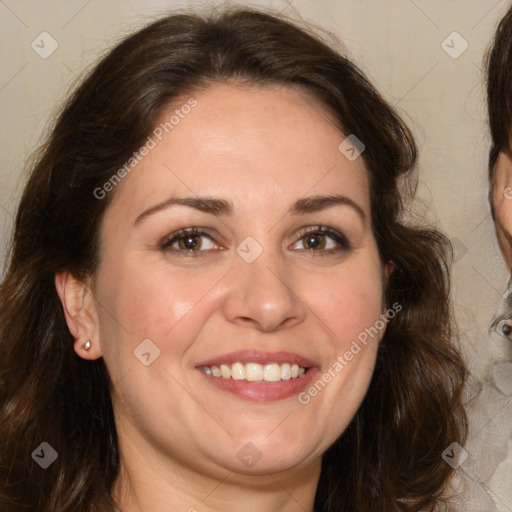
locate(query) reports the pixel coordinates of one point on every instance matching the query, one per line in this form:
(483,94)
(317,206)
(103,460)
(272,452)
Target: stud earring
(87,345)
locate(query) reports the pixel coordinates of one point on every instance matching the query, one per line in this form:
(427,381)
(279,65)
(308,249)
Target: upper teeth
(271,372)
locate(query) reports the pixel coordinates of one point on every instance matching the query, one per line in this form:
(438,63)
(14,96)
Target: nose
(261,295)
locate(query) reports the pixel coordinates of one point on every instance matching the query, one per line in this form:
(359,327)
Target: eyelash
(169,241)
(339,239)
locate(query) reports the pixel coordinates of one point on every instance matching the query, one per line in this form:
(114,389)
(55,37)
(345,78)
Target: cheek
(147,301)
(349,301)
(352,308)
(504,216)
(502,204)
(502,192)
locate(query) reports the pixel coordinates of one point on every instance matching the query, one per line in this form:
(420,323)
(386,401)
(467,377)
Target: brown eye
(319,239)
(189,241)
(314,241)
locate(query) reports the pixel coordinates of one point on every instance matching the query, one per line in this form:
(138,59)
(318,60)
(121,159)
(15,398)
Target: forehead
(248,143)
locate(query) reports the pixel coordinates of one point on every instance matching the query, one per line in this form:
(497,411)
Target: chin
(259,456)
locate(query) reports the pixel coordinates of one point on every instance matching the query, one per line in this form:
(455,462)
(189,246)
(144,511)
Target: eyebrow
(220,207)
(317,203)
(204,204)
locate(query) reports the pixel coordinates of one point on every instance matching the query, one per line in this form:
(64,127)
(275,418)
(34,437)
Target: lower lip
(262,391)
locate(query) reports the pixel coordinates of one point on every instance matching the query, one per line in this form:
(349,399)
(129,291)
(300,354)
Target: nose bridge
(261,291)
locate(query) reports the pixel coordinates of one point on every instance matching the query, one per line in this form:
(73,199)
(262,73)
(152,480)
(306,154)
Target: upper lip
(258,356)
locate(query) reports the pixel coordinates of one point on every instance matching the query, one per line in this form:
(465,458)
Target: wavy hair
(389,458)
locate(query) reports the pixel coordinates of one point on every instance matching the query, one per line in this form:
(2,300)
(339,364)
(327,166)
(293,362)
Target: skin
(261,150)
(501,199)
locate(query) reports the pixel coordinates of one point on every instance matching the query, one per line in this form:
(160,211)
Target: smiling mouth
(255,372)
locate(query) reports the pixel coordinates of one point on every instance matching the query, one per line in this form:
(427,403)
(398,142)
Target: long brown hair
(389,458)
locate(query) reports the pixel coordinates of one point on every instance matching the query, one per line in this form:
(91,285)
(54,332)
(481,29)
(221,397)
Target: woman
(214,302)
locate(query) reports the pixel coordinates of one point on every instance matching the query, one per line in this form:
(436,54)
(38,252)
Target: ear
(80,312)
(389,268)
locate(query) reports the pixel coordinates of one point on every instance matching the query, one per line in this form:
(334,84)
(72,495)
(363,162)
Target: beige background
(398,43)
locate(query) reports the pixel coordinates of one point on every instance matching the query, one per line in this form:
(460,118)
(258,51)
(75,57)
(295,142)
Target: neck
(144,483)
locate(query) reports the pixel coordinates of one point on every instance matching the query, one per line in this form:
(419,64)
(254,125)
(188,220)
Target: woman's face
(241,244)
